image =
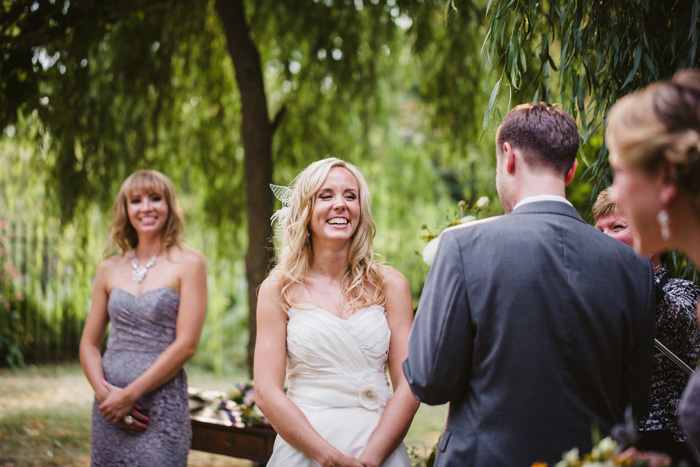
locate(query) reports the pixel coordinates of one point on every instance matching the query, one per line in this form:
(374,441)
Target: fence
(43,302)
(46,287)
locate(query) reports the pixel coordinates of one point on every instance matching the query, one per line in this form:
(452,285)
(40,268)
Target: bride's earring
(662,219)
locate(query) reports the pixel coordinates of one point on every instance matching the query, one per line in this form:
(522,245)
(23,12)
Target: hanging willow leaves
(601,50)
(601,47)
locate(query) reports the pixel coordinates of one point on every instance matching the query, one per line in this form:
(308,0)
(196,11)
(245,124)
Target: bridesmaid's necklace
(140,271)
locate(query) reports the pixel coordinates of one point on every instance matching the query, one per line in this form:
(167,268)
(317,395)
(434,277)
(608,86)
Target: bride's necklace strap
(141,271)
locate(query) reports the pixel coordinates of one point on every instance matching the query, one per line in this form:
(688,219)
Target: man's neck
(540,185)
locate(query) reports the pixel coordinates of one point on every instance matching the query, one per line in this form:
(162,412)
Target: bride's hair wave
(361,278)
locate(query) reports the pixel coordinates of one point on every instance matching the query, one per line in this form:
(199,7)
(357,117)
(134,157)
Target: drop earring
(662,219)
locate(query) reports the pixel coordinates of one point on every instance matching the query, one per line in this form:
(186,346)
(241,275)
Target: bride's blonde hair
(361,279)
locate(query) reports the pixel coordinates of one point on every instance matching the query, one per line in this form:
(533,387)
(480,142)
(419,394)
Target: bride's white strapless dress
(336,375)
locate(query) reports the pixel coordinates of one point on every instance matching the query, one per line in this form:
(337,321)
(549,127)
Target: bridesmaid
(154,292)
(654,141)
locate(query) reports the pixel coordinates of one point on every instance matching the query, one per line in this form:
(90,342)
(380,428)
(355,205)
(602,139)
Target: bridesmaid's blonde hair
(361,279)
(122,234)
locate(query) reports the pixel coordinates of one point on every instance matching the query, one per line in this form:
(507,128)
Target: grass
(45,417)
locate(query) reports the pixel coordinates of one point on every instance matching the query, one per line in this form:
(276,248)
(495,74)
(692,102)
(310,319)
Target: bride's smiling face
(336,212)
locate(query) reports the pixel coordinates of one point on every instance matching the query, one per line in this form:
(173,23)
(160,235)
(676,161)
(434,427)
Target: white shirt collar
(533,199)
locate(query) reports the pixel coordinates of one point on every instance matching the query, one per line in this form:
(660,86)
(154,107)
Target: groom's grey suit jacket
(535,327)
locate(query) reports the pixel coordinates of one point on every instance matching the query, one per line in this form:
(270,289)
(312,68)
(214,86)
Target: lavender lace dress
(142,327)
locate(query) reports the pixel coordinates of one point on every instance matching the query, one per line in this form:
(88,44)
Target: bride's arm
(402,406)
(269,370)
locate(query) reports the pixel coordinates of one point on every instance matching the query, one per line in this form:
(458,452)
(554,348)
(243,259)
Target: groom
(534,327)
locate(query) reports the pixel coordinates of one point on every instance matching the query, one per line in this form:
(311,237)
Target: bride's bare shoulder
(272,283)
(393,280)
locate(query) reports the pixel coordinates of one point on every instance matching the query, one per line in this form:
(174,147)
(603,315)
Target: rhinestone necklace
(140,271)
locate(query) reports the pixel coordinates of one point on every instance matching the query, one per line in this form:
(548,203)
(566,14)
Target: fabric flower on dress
(375,392)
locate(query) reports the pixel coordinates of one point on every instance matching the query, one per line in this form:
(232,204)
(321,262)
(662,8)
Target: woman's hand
(117,404)
(135,420)
(101,393)
(118,408)
(367,462)
(339,459)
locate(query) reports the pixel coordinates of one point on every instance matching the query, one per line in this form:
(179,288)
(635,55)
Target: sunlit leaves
(604,49)
(601,50)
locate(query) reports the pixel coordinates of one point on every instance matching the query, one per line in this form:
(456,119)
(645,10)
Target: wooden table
(254,443)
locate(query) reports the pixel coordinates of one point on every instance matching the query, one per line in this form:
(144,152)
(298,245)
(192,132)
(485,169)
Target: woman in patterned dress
(154,294)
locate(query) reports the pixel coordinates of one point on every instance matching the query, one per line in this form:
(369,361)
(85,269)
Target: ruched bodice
(336,374)
(146,321)
(336,362)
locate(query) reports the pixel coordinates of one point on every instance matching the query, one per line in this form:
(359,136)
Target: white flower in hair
(284,194)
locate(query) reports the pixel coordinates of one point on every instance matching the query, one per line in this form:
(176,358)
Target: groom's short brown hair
(547,136)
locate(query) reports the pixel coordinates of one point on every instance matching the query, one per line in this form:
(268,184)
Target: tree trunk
(257,134)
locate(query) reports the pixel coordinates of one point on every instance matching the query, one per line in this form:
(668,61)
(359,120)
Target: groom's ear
(570,174)
(509,158)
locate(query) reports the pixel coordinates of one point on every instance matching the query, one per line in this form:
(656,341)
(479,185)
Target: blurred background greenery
(226,97)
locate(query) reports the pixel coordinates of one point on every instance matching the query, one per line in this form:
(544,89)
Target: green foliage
(107,104)
(600,50)
(10,345)
(96,90)
(679,266)
(44,281)
(55,279)
(10,353)
(586,55)
(38,318)
(451,80)
(117,86)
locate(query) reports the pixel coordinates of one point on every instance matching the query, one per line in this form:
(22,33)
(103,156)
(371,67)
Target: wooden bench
(254,443)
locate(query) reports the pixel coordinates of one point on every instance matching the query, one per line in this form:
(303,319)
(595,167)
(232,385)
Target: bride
(333,317)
